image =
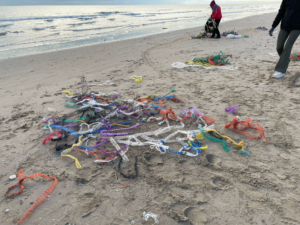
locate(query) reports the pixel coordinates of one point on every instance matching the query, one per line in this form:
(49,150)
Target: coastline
(117,40)
(216,187)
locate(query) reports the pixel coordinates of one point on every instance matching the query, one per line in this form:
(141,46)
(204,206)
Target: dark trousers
(216,29)
(285,42)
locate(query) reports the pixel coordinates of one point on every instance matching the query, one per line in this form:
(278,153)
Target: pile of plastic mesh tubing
(295,56)
(104,120)
(106,127)
(215,60)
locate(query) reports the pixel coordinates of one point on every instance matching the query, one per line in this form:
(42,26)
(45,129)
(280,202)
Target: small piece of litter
(7,210)
(132,221)
(150,214)
(12,177)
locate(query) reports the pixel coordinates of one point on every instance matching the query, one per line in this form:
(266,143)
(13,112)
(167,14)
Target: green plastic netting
(219,59)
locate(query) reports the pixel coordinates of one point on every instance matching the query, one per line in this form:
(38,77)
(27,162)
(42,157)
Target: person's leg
(217,28)
(213,34)
(282,37)
(284,60)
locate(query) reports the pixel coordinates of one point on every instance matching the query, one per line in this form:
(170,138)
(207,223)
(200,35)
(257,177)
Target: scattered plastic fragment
(232,109)
(232,36)
(116,96)
(12,177)
(108,82)
(244,152)
(7,210)
(68,92)
(52,110)
(172,90)
(150,214)
(136,78)
(273,54)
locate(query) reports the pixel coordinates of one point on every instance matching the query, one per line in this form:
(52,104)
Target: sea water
(26,30)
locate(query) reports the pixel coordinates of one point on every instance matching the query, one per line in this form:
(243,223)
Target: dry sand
(216,187)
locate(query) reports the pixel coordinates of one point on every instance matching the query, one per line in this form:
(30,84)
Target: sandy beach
(216,187)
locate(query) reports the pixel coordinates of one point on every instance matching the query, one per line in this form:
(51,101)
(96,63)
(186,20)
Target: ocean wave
(79,24)
(38,29)
(43,28)
(49,17)
(162,13)
(6,25)
(164,19)
(13,32)
(86,18)
(131,14)
(143,15)
(100,14)
(98,28)
(31,39)
(147,24)
(233,12)
(151,14)
(109,13)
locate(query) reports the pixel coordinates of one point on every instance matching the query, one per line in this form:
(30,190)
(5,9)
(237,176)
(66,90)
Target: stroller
(208,29)
(209,26)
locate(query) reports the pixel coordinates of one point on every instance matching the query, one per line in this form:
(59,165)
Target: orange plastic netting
(241,126)
(39,200)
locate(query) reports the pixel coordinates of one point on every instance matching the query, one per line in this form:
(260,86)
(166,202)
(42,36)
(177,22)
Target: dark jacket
(289,15)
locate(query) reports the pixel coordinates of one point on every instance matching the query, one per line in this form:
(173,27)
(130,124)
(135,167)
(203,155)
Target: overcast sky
(127,2)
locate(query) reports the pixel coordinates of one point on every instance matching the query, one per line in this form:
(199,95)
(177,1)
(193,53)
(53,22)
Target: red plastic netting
(39,200)
(54,135)
(240,126)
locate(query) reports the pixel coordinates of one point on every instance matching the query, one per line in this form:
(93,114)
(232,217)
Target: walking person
(289,16)
(216,16)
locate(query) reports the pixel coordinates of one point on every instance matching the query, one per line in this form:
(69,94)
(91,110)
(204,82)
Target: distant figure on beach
(289,16)
(216,16)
